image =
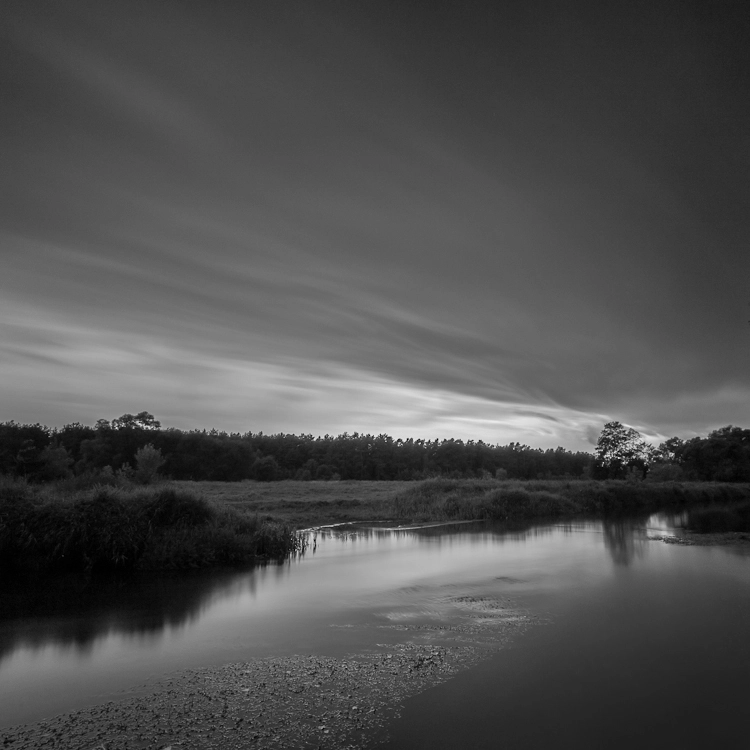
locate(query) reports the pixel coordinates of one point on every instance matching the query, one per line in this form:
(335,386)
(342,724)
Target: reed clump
(723,519)
(118,529)
(459,499)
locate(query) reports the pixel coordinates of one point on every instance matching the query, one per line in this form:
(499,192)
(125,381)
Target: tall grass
(109,528)
(460,499)
(722,519)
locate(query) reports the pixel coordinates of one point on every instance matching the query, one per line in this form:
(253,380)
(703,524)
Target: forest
(136,447)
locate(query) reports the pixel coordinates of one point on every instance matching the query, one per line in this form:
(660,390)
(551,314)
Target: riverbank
(123,529)
(714,539)
(292,702)
(189,525)
(329,621)
(303,701)
(307,504)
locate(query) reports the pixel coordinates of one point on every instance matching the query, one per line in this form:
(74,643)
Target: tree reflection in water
(625,539)
(73,612)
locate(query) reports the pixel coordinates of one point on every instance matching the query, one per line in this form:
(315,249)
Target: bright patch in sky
(321,217)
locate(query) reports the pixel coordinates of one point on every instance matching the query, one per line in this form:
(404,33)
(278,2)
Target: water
(638,642)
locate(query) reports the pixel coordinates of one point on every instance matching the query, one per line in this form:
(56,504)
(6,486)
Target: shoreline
(302,701)
(697,539)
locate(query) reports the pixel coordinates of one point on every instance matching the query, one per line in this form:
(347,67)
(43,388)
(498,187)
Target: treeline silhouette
(39,453)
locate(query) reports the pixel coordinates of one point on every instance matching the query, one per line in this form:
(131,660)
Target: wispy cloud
(342,230)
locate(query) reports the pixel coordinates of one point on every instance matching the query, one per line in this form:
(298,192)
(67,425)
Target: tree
(56,462)
(265,469)
(148,461)
(141,421)
(619,450)
(669,450)
(723,456)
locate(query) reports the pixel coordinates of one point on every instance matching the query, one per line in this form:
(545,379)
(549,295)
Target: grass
(447,499)
(305,504)
(184,525)
(723,519)
(119,529)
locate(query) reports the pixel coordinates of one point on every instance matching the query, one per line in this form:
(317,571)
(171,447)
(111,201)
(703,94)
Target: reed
(110,528)
(458,499)
(720,520)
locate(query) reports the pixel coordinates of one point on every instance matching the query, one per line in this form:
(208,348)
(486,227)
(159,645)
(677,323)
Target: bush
(718,520)
(117,529)
(148,461)
(665,472)
(265,469)
(448,499)
(323,472)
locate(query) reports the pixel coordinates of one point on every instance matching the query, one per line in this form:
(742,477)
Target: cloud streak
(314,221)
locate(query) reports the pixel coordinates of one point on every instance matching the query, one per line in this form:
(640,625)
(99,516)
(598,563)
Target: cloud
(311,208)
(119,373)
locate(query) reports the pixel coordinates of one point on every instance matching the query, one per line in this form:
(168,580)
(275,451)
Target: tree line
(722,456)
(39,453)
(134,445)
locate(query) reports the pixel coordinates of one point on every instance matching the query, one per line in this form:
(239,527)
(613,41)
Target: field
(305,504)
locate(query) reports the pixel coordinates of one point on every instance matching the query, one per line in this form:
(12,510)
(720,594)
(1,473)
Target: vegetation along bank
(185,525)
(127,495)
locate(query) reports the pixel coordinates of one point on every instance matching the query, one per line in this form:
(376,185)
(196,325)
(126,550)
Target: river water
(633,641)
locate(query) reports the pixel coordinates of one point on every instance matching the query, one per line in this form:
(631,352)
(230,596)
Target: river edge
(293,707)
(303,701)
(694,539)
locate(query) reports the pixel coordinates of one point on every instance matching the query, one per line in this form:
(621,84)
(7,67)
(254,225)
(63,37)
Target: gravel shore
(291,702)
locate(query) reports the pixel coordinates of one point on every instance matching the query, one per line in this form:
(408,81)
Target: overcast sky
(507,221)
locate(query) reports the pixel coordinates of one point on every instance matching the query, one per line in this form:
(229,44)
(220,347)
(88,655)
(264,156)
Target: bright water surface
(639,642)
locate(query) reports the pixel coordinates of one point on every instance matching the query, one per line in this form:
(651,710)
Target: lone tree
(619,450)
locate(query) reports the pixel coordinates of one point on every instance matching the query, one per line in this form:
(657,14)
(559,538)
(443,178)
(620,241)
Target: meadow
(306,504)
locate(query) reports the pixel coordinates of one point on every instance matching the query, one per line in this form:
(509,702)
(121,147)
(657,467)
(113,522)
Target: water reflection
(625,540)
(74,613)
(71,612)
(114,634)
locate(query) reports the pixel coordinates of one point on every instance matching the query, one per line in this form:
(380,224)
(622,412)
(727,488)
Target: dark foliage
(452,499)
(722,519)
(723,456)
(96,454)
(110,529)
(99,452)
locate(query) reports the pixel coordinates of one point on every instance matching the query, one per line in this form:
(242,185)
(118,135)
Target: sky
(509,222)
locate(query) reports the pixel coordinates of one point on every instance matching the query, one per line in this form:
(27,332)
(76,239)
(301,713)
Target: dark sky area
(508,221)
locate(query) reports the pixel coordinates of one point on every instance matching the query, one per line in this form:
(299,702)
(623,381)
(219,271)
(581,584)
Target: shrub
(148,461)
(323,472)
(723,519)
(665,472)
(119,529)
(265,469)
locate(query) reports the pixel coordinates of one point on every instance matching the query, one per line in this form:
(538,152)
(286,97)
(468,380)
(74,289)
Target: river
(623,640)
